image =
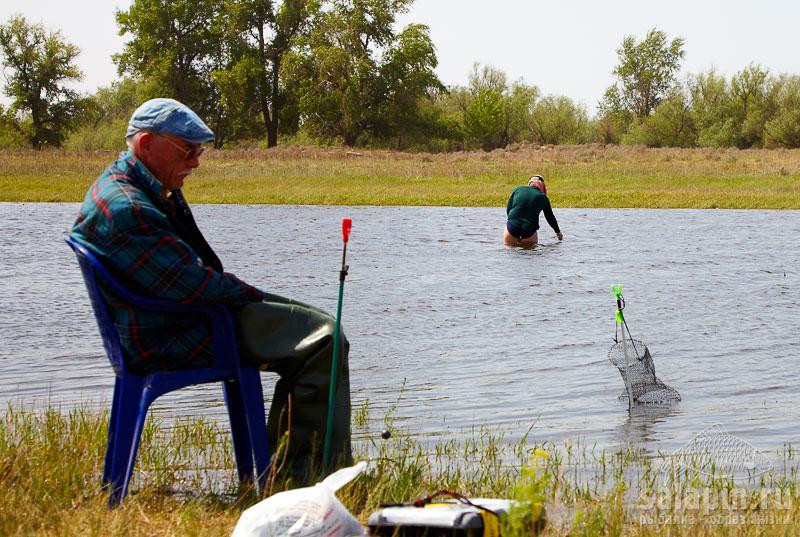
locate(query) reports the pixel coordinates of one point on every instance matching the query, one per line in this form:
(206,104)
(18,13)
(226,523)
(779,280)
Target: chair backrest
(223,332)
(93,271)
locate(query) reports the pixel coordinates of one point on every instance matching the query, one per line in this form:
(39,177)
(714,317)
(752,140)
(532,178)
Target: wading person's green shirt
(523,208)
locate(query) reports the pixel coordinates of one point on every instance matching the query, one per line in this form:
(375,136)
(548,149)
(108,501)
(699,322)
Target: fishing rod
(347,224)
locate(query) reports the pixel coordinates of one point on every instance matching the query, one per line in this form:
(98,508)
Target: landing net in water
(634,362)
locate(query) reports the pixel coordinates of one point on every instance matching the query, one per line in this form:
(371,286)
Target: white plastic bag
(304,512)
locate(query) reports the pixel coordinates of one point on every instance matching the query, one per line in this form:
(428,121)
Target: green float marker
(347,224)
(617,289)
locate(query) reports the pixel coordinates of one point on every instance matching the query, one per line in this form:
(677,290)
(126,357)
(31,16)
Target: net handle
(620,320)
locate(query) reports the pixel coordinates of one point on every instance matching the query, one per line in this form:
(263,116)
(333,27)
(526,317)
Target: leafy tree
(613,118)
(450,107)
(784,129)
(175,47)
(671,125)
(711,103)
(486,77)
(260,34)
(753,103)
(733,113)
(336,73)
(496,114)
(355,73)
(117,101)
(239,99)
(558,120)
(484,119)
(439,128)
(410,86)
(645,72)
(11,136)
(484,105)
(520,105)
(37,66)
(108,112)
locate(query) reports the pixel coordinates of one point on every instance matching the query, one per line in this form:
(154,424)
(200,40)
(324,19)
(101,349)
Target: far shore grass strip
(588,176)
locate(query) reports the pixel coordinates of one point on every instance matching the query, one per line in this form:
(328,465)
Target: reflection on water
(638,428)
(463,331)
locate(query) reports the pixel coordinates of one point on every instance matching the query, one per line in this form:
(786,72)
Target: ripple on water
(462,331)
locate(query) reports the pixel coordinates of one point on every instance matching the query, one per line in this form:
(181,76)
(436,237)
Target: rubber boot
(296,341)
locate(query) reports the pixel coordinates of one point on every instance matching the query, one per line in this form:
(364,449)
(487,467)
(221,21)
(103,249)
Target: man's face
(169,158)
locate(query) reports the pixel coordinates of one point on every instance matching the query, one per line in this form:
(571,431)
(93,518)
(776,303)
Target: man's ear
(144,142)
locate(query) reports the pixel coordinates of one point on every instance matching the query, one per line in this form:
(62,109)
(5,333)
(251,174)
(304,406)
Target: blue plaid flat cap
(168,116)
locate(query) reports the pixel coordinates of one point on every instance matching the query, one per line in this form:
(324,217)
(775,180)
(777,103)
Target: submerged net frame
(717,453)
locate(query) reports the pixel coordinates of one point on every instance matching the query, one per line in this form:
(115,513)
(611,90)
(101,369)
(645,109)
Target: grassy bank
(578,176)
(50,466)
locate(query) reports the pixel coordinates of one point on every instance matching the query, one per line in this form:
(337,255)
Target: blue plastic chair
(133,393)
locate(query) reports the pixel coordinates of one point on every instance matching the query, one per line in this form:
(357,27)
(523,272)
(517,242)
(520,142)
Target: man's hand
(560,236)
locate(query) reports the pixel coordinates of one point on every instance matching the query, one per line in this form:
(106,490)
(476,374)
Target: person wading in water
(523,208)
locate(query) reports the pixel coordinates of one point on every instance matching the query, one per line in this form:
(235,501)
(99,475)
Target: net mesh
(633,360)
(716,452)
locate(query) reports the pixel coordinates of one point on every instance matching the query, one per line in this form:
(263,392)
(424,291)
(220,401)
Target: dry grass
(578,176)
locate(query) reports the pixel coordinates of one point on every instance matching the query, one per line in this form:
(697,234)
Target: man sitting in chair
(136,220)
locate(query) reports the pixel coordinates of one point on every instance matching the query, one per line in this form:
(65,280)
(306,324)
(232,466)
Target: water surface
(454,331)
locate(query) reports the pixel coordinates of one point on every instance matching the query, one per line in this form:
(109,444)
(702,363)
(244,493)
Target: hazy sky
(565,47)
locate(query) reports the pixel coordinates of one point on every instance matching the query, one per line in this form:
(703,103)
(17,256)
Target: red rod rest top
(346,225)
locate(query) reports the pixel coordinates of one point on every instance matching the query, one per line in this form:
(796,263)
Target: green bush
(671,125)
(11,139)
(784,129)
(484,119)
(558,120)
(105,135)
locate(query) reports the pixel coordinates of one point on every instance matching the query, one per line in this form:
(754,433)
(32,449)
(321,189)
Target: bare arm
(551,219)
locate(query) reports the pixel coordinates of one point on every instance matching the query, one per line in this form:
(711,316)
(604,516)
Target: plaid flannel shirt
(124,221)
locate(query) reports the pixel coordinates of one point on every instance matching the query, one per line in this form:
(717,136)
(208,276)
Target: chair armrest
(223,332)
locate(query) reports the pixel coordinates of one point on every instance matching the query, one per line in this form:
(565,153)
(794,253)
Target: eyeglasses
(188,154)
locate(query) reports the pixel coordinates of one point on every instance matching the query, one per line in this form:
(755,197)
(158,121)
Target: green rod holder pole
(326,456)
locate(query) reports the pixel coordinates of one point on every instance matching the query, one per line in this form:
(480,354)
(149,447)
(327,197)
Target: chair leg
(242,448)
(128,430)
(112,431)
(253,397)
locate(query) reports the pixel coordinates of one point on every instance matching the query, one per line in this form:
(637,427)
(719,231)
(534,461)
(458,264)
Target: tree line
(263,72)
